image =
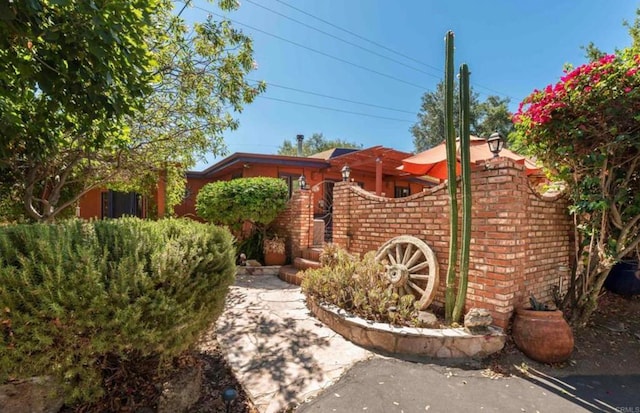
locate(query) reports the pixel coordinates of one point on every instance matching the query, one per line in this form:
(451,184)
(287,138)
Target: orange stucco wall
(313,176)
(90,204)
(188,206)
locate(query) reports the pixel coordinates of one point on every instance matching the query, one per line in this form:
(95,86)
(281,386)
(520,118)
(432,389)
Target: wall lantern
(496,143)
(302,181)
(346,173)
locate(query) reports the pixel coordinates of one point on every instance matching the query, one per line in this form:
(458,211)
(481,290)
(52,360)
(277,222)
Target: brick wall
(518,241)
(297,222)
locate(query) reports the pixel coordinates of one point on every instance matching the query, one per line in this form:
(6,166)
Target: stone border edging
(263,270)
(432,342)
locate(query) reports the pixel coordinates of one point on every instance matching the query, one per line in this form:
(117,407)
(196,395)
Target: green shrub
(359,287)
(258,200)
(75,293)
(252,246)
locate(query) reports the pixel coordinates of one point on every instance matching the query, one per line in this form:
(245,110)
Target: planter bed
(431,342)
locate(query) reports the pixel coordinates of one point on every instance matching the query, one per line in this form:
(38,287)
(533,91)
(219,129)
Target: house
(375,169)
(100,203)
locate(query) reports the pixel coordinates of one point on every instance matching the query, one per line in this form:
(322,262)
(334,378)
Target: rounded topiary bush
(258,200)
(75,293)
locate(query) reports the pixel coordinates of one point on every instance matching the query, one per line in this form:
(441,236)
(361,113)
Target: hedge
(76,292)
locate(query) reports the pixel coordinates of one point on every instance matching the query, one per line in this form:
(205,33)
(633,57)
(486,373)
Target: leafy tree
(593,53)
(485,118)
(494,117)
(202,78)
(110,93)
(585,128)
(68,77)
(316,143)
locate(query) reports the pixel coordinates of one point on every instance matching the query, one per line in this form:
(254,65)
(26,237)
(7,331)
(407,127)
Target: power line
(314,50)
(336,98)
(358,36)
(334,109)
(342,40)
(335,57)
(186,4)
(378,44)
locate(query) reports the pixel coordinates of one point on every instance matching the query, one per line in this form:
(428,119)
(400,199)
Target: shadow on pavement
(269,339)
(599,393)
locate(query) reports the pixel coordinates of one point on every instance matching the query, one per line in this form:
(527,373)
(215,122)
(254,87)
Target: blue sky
(511,47)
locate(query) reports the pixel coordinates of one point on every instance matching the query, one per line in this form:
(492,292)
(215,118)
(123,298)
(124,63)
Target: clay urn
(543,335)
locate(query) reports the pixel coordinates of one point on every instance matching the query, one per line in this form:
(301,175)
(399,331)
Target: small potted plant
(274,250)
(542,333)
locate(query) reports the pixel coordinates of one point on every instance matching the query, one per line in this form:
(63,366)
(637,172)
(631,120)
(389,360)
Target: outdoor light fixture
(228,395)
(496,143)
(346,173)
(302,181)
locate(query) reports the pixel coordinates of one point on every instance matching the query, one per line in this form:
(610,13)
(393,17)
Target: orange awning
(433,162)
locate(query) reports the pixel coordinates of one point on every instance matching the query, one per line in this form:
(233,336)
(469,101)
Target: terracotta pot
(274,258)
(543,335)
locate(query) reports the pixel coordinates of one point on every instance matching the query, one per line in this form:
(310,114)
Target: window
(291,180)
(118,204)
(401,191)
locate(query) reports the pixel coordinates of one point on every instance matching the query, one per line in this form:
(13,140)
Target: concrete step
(312,253)
(303,264)
(289,274)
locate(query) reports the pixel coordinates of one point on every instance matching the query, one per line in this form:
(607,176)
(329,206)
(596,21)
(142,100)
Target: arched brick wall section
(518,242)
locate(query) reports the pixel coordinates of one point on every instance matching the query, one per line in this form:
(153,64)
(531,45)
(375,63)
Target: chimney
(300,138)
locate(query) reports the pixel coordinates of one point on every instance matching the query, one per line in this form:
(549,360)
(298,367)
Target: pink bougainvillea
(586,129)
(584,86)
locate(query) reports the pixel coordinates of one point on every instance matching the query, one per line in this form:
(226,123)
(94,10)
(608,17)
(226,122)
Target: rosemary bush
(75,293)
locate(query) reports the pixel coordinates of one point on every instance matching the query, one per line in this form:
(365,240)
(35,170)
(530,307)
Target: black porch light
(496,143)
(346,173)
(302,181)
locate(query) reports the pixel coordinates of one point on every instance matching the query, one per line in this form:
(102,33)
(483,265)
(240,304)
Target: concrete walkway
(283,357)
(277,350)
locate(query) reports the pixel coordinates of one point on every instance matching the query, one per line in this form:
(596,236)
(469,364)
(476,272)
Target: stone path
(279,352)
(284,357)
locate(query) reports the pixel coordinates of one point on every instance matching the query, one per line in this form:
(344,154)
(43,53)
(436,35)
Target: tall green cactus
(450,130)
(465,161)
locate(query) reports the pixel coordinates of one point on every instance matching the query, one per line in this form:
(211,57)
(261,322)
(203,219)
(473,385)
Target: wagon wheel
(411,268)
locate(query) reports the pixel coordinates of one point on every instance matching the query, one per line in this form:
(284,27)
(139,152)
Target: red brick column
(297,222)
(342,214)
(498,238)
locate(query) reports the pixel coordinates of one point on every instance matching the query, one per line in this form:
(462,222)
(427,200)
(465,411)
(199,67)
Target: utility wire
(439,69)
(343,40)
(358,36)
(314,50)
(334,109)
(186,4)
(308,92)
(335,57)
